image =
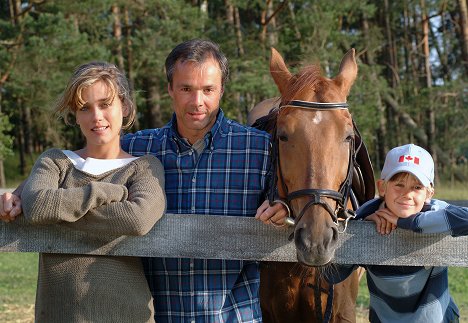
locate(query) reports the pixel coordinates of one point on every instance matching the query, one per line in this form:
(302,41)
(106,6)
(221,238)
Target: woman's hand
(10,207)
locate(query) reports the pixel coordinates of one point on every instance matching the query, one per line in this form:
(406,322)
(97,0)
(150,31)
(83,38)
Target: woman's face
(100,118)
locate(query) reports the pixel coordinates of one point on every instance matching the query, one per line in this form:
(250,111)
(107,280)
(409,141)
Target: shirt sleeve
(441,218)
(136,215)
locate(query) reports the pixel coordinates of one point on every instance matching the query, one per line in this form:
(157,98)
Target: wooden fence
(225,237)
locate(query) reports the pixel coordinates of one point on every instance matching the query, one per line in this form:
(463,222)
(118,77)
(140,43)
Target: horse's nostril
(335,233)
(302,239)
(330,238)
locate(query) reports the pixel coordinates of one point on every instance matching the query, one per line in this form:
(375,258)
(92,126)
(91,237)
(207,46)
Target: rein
(341,196)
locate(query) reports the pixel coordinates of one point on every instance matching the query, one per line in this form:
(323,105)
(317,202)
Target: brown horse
(314,155)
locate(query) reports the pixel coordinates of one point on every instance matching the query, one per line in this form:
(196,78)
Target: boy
(409,294)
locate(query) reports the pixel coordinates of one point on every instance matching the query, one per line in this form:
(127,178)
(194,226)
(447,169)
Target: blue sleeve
(441,218)
(368,208)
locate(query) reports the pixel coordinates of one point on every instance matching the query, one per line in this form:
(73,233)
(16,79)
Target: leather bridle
(318,195)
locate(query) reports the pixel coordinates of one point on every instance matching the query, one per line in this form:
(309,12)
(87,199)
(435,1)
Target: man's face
(196,92)
(404,196)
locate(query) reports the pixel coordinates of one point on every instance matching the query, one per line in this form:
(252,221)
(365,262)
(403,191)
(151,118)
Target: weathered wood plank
(203,236)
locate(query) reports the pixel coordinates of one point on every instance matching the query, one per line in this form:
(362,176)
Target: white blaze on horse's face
(314,149)
(318,117)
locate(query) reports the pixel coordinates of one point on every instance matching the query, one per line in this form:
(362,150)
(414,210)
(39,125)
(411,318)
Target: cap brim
(420,176)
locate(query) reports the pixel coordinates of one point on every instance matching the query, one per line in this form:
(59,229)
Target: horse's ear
(279,71)
(348,71)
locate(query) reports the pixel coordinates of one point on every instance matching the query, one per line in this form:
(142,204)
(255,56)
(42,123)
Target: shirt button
(190,153)
(194,180)
(192,321)
(193,208)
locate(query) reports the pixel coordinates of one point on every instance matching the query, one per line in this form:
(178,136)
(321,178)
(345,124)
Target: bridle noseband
(341,196)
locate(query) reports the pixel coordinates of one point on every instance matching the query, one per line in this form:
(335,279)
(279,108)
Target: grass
(451,191)
(18,274)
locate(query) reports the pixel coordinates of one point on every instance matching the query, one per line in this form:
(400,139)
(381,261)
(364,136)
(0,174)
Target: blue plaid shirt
(227,178)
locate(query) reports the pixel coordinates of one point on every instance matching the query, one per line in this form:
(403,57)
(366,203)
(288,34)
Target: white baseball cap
(411,159)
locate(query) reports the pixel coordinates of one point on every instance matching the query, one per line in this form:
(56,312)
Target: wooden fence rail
(225,237)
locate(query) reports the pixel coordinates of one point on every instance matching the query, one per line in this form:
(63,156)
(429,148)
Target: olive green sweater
(125,201)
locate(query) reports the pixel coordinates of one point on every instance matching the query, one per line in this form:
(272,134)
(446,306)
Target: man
(213,166)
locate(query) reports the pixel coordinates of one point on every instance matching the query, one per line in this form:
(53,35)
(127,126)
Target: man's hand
(274,214)
(382,225)
(10,207)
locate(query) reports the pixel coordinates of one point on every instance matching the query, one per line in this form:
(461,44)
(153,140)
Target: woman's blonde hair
(86,75)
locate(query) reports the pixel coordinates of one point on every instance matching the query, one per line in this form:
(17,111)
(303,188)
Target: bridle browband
(341,196)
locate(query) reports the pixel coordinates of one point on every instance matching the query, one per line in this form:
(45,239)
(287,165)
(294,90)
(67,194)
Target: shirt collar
(208,136)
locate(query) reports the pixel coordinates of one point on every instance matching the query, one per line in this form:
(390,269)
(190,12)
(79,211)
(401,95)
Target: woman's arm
(44,201)
(145,205)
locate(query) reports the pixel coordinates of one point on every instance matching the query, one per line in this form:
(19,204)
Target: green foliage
(39,52)
(6,140)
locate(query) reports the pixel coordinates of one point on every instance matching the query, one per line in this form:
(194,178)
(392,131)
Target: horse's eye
(349,138)
(283,138)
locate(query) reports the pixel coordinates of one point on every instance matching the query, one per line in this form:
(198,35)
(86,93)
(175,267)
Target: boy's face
(404,196)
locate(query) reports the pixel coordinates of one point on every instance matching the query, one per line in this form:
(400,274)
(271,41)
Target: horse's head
(314,147)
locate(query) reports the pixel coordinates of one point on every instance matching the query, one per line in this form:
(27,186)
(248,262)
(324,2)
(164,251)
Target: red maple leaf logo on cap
(408,158)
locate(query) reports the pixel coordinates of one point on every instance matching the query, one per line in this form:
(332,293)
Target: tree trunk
(430,113)
(464,32)
(20,140)
(129,50)
(153,100)
(2,170)
(27,122)
(233,19)
(297,32)
(441,53)
(268,16)
(382,146)
(391,52)
(117,29)
(272,34)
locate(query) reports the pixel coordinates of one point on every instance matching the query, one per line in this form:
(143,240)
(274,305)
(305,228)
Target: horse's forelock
(308,78)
